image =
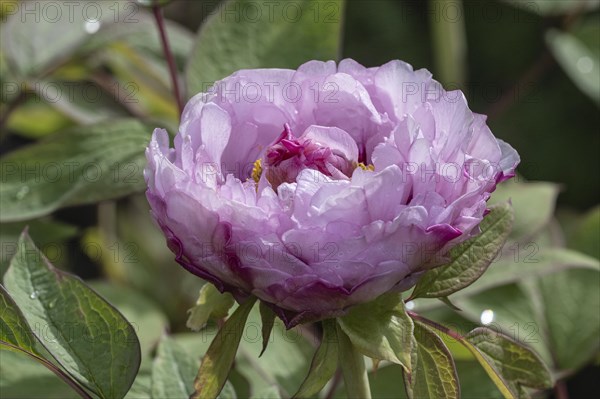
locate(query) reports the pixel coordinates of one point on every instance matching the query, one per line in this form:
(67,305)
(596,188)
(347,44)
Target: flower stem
(560,390)
(353,367)
(168,55)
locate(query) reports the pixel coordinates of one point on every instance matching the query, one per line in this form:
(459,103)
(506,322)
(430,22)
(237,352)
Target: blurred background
(532,66)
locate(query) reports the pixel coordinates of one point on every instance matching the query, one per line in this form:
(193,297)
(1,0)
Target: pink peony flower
(325,187)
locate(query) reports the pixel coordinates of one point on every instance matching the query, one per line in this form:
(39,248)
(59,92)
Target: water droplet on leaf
(487,316)
(92,26)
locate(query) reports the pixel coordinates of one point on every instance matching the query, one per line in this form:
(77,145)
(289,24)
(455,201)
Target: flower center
(289,155)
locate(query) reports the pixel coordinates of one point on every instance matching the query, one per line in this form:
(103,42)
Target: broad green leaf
(65,29)
(586,236)
(474,382)
(14,330)
(142,386)
(470,259)
(143,79)
(267,318)
(83,102)
(228,391)
(219,357)
(17,336)
(271,392)
(510,310)
(571,301)
(507,271)
(148,321)
(324,363)
(539,264)
(579,59)
(211,304)
(22,377)
(508,363)
(381,329)
(142,37)
(173,370)
(386,384)
(49,234)
(434,375)
(352,362)
(245,34)
(82,165)
(533,204)
(84,333)
(59,30)
(36,118)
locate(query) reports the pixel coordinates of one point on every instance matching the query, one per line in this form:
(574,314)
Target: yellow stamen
(370,167)
(257,170)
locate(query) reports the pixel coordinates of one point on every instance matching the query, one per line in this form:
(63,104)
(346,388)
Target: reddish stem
(168,55)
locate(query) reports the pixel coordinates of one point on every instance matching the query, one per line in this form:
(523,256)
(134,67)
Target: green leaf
(324,363)
(173,370)
(474,382)
(511,310)
(507,271)
(580,60)
(508,363)
(144,81)
(16,336)
(35,119)
(586,236)
(247,34)
(533,204)
(470,259)
(228,391)
(434,375)
(49,234)
(142,386)
(82,102)
(267,318)
(82,165)
(22,377)
(142,37)
(84,333)
(14,330)
(219,358)
(352,362)
(381,329)
(271,392)
(571,301)
(211,304)
(59,31)
(145,317)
